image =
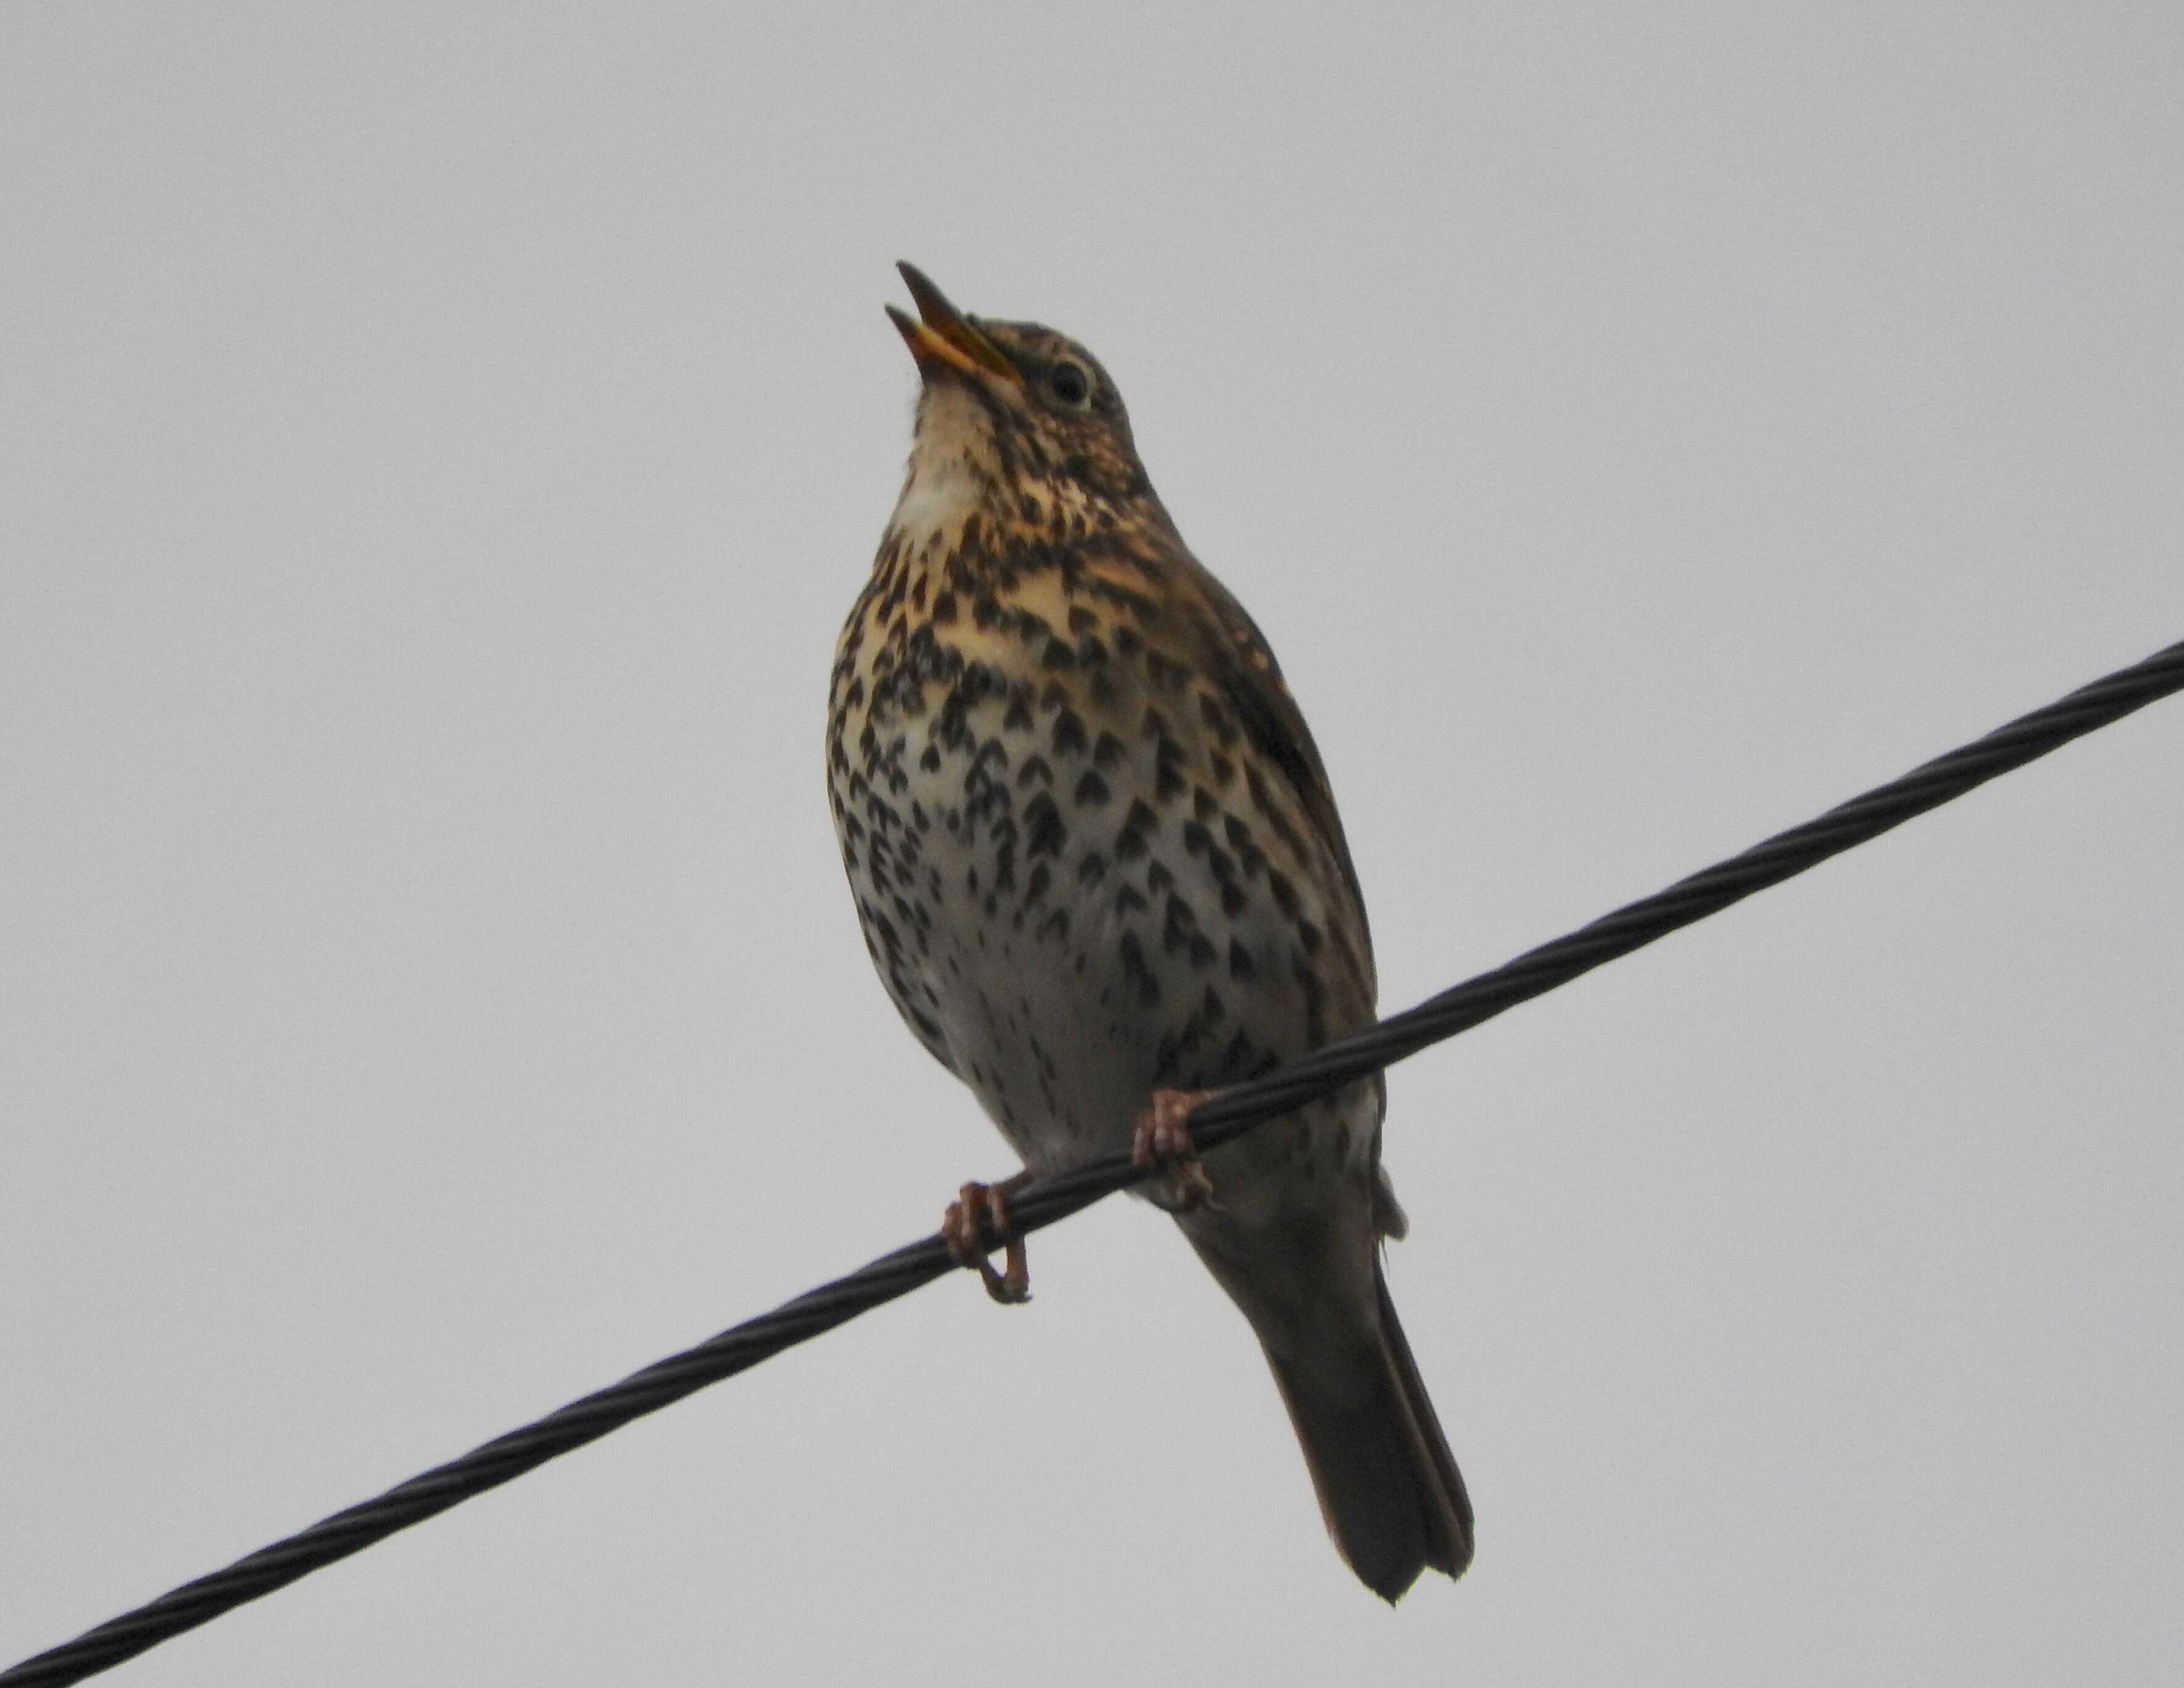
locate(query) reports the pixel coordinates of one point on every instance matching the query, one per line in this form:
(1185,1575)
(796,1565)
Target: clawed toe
(1162,1139)
(975,1221)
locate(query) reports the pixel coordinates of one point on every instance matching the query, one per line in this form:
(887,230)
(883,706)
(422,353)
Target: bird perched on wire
(1099,867)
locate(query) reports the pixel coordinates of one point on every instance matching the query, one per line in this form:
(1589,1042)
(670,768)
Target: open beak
(947,336)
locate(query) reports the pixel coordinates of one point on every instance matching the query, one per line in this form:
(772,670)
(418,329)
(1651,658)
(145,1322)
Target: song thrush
(1099,866)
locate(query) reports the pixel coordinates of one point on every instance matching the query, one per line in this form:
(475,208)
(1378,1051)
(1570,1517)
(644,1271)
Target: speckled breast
(1074,874)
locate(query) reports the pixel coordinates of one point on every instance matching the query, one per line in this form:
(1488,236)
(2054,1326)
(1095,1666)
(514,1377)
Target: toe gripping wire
(1223,1116)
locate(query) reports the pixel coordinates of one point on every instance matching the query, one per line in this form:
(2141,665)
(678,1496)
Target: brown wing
(1236,656)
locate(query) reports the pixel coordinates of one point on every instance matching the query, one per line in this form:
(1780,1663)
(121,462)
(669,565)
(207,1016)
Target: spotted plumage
(1096,857)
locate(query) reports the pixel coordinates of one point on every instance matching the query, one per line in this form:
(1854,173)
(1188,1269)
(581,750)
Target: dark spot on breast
(1166,673)
(1135,970)
(1315,998)
(1240,966)
(1179,926)
(1262,799)
(1241,1059)
(1045,832)
(1091,791)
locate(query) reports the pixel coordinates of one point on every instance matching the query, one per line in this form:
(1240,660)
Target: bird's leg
(975,1220)
(1162,1139)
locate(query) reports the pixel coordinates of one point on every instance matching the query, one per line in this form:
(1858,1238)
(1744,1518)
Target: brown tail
(1388,1486)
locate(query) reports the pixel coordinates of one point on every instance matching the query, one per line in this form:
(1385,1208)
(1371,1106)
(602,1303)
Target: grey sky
(437,447)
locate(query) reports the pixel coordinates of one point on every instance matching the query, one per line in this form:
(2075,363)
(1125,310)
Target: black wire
(1213,1122)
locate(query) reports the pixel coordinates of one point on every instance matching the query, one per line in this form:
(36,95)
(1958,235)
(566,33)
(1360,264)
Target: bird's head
(1025,415)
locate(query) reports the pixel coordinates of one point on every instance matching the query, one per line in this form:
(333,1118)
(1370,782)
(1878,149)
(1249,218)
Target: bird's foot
(976,1223)
(1162,1139)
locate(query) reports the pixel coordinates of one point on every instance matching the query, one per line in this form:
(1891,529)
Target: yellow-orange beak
(946,336)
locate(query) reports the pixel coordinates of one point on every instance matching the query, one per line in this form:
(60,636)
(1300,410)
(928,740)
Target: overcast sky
(439,445)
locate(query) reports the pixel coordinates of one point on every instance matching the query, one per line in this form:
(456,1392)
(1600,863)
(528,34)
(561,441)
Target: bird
(1098,866)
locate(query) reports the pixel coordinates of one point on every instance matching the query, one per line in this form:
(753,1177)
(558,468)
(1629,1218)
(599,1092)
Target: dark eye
(1070,381)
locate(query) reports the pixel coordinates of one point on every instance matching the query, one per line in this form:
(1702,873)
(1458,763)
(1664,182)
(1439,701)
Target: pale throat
(953,469)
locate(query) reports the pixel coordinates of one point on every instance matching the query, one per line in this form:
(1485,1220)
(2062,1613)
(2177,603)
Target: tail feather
(1388,1486)
(1313,1288)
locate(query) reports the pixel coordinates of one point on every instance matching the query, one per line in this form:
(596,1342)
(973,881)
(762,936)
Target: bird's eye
(1070,382)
